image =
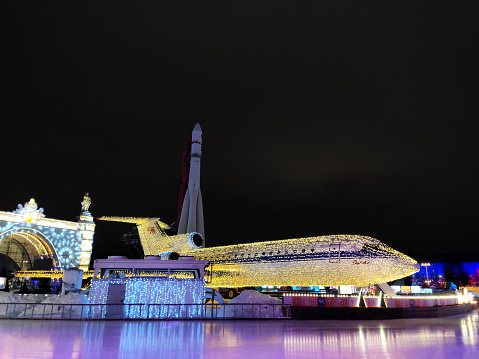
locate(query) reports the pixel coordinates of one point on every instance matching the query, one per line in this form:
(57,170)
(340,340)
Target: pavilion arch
(69,244)
(30,242)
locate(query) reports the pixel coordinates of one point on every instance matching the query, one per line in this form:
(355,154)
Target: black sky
(334,117)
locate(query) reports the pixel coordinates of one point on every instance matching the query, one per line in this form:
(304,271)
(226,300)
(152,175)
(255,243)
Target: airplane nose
(411,264)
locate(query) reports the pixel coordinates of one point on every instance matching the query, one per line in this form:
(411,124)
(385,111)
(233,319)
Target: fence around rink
(144,311)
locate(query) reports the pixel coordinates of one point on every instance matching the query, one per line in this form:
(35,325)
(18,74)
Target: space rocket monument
(191,218)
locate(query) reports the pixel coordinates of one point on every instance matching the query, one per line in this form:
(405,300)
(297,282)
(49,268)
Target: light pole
(427,274)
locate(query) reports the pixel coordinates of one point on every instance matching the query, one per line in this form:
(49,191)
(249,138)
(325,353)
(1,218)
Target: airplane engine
(195,240)
(180,243)
(169,255)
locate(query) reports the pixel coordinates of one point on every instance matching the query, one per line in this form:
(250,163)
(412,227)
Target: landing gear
(229,293)
(213,295)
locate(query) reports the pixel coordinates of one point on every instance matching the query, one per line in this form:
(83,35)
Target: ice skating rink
(451,337)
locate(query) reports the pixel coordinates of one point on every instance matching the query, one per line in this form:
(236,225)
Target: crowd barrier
(371,301)
(419,302)
(144,311)
(318,301)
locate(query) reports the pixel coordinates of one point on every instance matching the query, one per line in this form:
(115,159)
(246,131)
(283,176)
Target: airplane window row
(375,247)
(249,255)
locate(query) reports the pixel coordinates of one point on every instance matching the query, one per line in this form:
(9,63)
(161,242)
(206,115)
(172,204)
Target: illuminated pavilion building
(28,238)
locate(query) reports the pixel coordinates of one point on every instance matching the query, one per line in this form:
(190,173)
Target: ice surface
(437,338)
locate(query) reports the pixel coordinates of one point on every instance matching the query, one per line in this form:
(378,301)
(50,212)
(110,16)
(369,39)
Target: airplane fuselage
(324,260)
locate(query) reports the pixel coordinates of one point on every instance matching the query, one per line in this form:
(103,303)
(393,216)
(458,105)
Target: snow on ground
(10,297)
(252,304)
(252,296)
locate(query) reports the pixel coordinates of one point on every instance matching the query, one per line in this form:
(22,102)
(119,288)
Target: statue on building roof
(86,203)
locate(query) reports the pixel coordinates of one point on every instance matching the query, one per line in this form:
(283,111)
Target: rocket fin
(183,225)
(191,226)
(200,224)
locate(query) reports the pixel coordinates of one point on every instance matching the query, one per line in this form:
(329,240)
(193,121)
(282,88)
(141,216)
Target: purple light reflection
(451,337)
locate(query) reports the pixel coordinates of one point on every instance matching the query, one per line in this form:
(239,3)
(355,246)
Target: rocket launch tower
(191,218)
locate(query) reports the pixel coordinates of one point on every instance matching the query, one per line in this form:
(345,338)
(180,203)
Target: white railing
(144,311)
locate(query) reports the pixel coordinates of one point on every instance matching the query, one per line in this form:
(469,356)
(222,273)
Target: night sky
(336,117)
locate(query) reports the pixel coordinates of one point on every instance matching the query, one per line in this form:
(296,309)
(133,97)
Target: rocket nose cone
(196,134)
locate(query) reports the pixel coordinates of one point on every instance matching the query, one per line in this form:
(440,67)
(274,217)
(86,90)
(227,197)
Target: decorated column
(86,227)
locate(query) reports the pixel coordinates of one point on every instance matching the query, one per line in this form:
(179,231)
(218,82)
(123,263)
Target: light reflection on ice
(175,336)
(453,337)
(384,341)
(362,342)
(469,330)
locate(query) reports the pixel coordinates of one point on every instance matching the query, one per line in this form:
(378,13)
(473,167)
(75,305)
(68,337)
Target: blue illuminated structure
(147,291)
(150,282)
(458,269)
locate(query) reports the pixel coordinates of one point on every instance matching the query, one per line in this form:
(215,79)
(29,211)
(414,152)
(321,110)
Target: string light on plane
(325,260)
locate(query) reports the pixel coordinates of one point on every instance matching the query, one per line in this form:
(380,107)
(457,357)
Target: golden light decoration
(325,260)
(48,274)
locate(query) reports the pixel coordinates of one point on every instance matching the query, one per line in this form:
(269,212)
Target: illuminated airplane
(325,260)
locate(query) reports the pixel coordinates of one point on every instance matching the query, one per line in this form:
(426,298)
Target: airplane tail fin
(154,239)
(151,230)
(134,220)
